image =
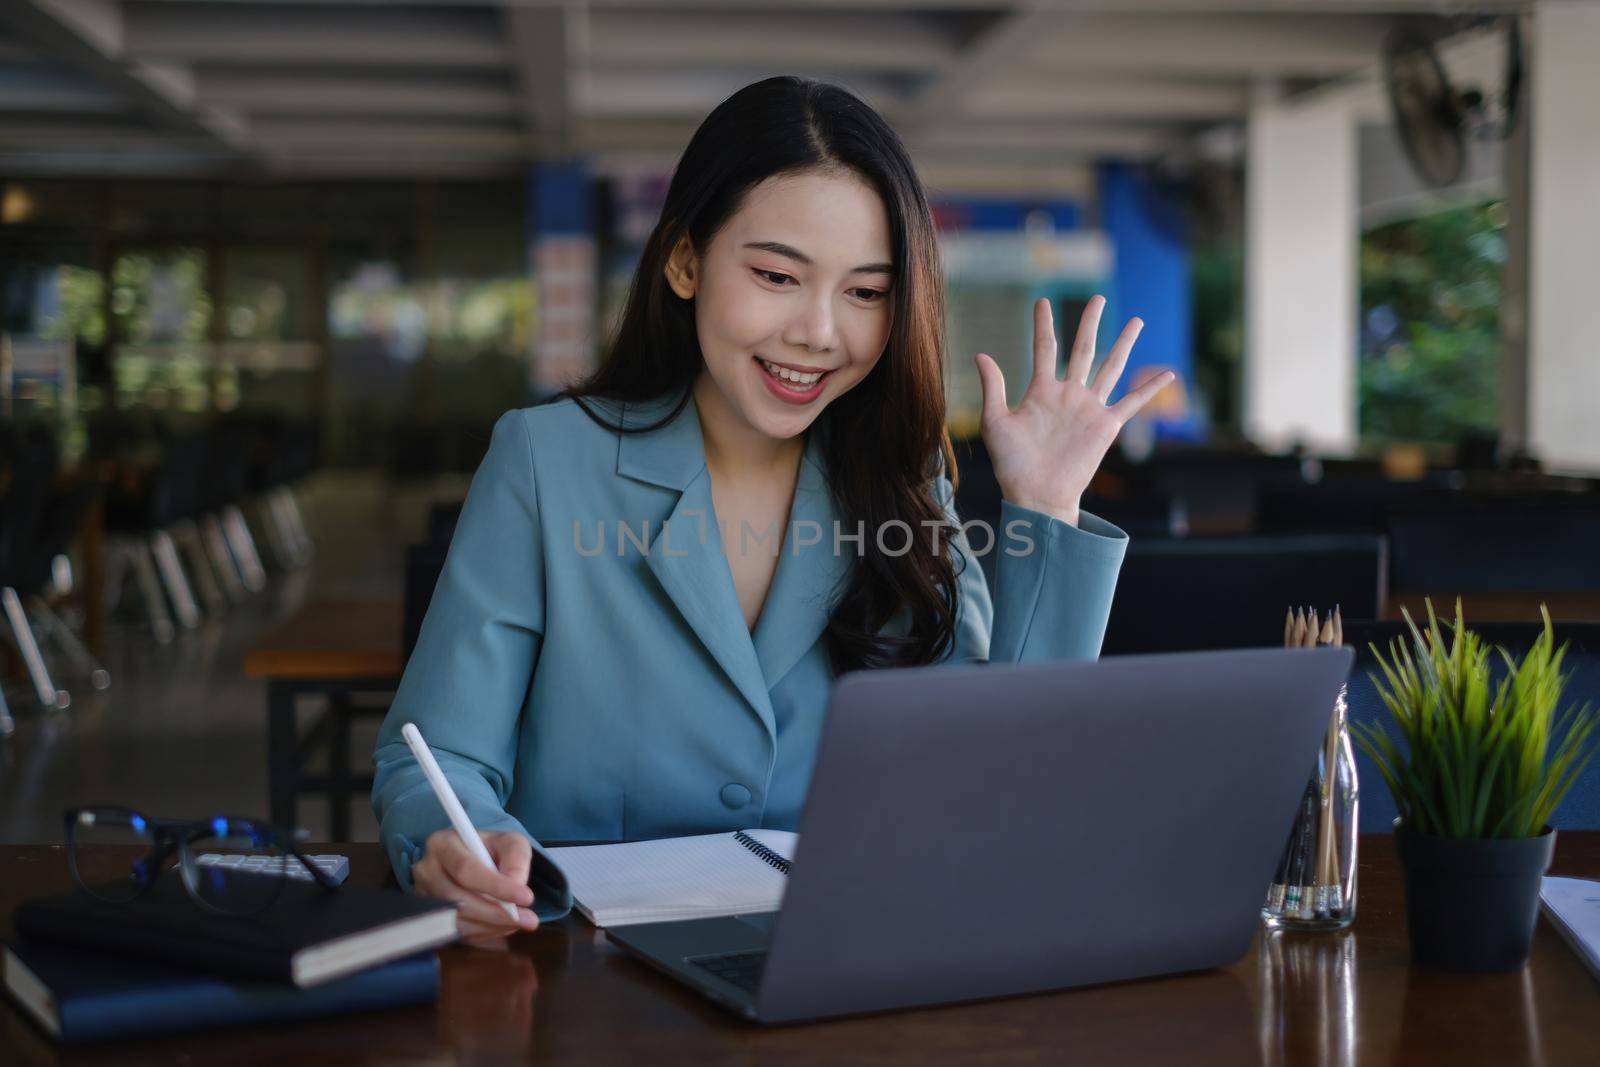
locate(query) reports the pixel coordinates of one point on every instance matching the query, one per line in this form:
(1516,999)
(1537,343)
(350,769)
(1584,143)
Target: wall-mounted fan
(1435,119)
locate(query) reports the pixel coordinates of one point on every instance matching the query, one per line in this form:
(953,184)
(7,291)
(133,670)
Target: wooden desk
(337,650)
(565,995)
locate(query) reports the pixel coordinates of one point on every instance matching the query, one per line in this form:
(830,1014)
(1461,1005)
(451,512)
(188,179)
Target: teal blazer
(575,689)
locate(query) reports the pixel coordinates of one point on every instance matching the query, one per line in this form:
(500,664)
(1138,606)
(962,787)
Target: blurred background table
(341,651)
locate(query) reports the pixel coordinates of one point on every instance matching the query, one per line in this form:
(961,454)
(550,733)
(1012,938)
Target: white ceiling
(990,95)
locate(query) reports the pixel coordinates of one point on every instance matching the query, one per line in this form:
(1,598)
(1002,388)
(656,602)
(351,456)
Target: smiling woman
(779,365)
(776,321)
(796,240)
(783,332)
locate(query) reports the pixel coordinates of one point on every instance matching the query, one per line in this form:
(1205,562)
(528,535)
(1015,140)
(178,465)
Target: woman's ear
(680,268)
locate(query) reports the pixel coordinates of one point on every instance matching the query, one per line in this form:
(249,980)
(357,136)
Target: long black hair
(884,437)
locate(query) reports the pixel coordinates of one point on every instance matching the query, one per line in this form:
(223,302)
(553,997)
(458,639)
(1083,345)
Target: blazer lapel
(809,574)
(686,553)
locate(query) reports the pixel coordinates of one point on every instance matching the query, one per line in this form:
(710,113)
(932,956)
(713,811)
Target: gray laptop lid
(980,831)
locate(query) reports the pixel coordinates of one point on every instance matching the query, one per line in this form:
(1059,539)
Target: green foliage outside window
(1430,325)
(80,311)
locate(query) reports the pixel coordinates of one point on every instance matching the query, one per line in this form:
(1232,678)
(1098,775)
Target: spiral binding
(761,850)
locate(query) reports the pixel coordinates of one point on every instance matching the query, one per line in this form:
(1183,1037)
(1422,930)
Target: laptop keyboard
(741,969)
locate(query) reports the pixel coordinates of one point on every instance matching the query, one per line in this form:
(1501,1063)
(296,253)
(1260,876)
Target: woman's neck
(737,452)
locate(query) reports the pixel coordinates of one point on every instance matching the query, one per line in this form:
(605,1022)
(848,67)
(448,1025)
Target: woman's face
(791,298)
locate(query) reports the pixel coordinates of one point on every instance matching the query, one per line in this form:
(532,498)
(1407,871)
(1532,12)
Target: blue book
(77,994)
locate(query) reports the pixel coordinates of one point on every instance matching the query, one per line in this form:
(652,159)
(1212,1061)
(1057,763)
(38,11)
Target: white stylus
(452,806)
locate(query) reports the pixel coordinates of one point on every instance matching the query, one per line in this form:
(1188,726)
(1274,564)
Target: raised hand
(1046,450)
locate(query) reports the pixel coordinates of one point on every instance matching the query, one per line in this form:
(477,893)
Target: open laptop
(986,830)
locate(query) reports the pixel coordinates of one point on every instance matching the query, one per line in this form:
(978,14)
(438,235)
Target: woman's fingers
(1105,379)
(1044,342)
(479,916)
(1129,406)
(448,871)
(490,918)
(468,871)
(512,854)
(476,911)
(1082,357)
(994,388)
(499,925)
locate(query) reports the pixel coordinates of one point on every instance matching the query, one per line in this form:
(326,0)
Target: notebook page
(673,878)
(1573,904)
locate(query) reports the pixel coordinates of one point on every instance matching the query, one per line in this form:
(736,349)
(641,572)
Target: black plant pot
(1471,905)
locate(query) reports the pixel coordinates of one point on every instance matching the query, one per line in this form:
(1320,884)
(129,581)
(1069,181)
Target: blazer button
(735,795)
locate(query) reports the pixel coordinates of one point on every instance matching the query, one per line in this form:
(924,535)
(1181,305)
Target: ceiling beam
(396,138)
(97,134)
(619,92)
(298,34)
(994,49)
(1109,97)
(117,163)
(773,40)
(259,92)
(49,87)
(1147,7)
(549,46)
(447,164)
(1238,46)
(90,38)
(1019,141)
(1038,141)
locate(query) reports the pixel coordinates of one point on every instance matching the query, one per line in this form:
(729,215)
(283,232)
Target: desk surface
(331,640)
(565,995)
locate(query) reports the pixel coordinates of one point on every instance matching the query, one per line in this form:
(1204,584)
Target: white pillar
(1300,301)
(1564,237)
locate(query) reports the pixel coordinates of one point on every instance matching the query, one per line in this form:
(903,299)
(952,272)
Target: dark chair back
(1220,490)
(1581,808)
(1232,592)
(1141,514)
(28,463)
(1344,506)
(1527,546)
(424,564)
(230,445)
(442,521)
(57,528)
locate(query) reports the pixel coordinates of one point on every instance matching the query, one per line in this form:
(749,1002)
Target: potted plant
(1484,766)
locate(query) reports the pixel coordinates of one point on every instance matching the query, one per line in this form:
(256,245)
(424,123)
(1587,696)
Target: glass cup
(1314,887)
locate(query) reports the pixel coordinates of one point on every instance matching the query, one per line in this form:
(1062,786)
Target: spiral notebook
(671,878)
(1573,907)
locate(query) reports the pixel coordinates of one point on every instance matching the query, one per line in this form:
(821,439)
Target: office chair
(1232,592)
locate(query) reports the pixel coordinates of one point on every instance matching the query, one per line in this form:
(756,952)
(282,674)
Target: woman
(656,577)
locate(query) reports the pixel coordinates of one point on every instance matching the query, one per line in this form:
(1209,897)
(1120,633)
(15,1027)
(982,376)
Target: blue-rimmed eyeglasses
(120,874)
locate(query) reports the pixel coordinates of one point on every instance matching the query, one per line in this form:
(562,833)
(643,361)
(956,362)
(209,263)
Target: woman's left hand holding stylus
(1046,451)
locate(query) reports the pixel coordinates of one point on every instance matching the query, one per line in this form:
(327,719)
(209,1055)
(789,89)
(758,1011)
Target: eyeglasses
(117,876)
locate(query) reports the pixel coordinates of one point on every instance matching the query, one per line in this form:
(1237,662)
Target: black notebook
(75,994)
(308,935)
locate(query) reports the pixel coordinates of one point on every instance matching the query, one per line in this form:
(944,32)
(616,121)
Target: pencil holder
(1314,887)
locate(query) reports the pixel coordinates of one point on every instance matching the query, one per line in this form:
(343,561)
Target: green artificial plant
(1478,760)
